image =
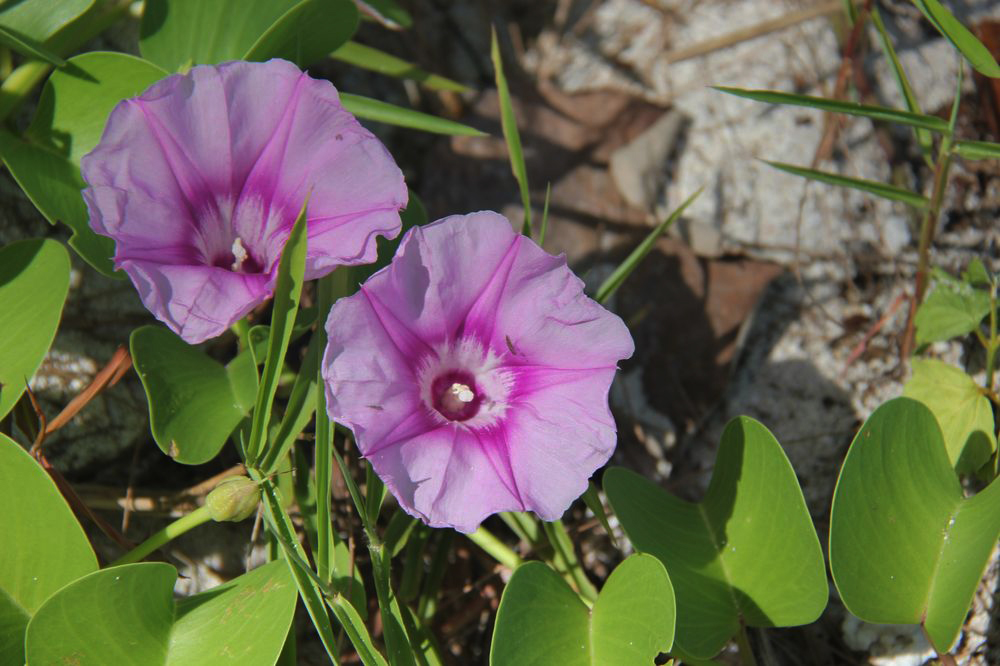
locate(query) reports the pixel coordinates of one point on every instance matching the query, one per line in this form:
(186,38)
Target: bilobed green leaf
(620,274)
(51,548)
(960,37)
(508,121)
(906,547)
(383,112)
(542,621)
(40,19)
(34,280)
(194,401)
(375,60)
(132,619)
(932,123)
(632,620)
(962,411)
(746,553)
(307,32)
(954,308)
(872,187)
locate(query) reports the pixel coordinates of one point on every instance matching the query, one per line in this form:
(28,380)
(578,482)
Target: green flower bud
(234,499)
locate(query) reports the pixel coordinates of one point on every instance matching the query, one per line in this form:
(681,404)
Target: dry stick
(752,32)
(108,376)
(872,332)
(79,508)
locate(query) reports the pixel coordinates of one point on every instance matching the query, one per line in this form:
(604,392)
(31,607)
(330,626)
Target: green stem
(197,517)
(325,534)
(563,549)
(495,548)
(743,643)
(991,347)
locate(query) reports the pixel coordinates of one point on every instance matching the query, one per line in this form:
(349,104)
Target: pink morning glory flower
(474,373)
(200,179)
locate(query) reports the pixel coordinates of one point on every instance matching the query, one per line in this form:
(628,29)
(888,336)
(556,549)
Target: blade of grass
(300,407)
(932,123)
(375,60)
(383,112)
(545,214)
(326,536)
(287,291)
(978,150)
(960,37)
(615,280)
(510,133)
(924,138)
(563,550)
(310,592)
(593,501)
(872,187)
(29,47)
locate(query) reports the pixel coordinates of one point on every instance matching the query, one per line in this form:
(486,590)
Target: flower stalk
(183,524)
(495,548)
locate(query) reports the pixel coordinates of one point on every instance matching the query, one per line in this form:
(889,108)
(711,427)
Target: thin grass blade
(375,60)
(287,292)
(615,280)
(978,150)
(960,37)
(924,138)
(882,113)
(383,112)
(545,214)
(872,187)
(510,133)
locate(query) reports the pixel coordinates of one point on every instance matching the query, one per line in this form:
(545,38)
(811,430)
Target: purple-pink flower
(474,373)
(200,179)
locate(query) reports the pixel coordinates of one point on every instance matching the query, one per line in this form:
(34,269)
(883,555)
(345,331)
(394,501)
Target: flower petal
(445,478)
(441,269)
(197,302)
(560,432)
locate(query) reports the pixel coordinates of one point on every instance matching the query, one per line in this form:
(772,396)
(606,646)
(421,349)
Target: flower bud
(233,499)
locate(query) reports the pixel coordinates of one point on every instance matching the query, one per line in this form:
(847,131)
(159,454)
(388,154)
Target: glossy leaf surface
(51,548)
(748,550)
(34,280)
(542,621)
(906,547)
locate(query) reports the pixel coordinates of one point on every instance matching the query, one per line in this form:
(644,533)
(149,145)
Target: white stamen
(462,392)
(239,253)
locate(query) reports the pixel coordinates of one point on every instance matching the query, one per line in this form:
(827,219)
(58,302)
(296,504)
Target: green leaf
(508,121)
(962,411)
(77,100)
(542,621)
(872,187)
(40,19)
(620,274)
(375,60)
(34,280)
(954,308)
(51,547)
(287,292)
(960,37)
(978,150)
(976,274)
(932,123)
(72,111)
(299,409)
(307,32)
(924,138)
(592,499)
(383,112)
(178,33)
(28,47)
(133,619)
(747,552)
(905,546)
(194,401)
